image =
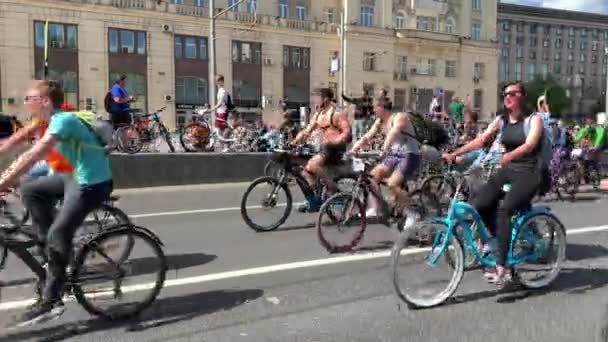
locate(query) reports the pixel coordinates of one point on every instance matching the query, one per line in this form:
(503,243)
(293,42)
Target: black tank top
(513,136)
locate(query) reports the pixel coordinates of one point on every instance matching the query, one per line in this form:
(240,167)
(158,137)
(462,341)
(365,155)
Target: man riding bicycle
(402,156)
(90,185)
(593,137)
(336,135)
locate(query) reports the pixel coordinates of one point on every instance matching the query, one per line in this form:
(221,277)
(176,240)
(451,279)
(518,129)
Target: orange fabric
(57,162)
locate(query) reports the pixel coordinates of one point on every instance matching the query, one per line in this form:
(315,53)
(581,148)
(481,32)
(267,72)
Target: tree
(599,106)
(556,95)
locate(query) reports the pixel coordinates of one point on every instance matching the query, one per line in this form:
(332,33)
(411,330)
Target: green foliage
(556,96)
(599,106)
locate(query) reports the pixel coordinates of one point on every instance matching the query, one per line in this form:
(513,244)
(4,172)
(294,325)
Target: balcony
(400,76)
(435,6)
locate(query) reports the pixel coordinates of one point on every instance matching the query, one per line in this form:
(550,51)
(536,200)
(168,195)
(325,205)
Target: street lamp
(606,93)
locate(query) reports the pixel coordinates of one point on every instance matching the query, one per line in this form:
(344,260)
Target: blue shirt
(81,148)
(117,91)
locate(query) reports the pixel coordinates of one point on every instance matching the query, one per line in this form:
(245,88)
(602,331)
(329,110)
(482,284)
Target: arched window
(400,21)
(367,15)
(450,25)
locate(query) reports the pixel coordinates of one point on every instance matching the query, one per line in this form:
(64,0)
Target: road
(228,283)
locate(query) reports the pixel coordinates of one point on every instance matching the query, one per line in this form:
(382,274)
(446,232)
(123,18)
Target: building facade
(268,50)
(569,46)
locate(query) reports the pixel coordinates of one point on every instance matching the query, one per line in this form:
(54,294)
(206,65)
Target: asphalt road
(228,283)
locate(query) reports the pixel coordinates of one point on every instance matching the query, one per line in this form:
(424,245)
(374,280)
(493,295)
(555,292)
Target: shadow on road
(165,311)
(578,252)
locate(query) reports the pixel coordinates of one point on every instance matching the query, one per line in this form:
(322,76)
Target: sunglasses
(512,93)
(27,99)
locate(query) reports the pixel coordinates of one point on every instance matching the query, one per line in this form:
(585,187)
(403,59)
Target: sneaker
(310,206)
(43,312)
(412,217)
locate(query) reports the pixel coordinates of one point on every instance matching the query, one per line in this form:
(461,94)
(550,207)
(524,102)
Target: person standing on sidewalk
(363,111)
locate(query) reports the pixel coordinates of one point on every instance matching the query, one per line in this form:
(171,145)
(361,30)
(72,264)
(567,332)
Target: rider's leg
(406,168)
(486,199)
(313,169)
(378,174)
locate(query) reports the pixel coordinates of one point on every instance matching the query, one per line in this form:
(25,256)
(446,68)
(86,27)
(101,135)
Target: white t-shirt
(222,97)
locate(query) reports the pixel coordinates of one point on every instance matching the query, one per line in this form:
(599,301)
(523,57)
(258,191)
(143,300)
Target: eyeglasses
(27,99)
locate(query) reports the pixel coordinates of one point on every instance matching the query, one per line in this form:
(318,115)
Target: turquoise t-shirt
(80,147)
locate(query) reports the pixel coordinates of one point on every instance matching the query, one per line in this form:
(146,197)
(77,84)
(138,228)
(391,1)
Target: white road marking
(270,269)
(204,211)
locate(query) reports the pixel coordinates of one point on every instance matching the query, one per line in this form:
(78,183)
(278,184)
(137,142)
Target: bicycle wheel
(99,220)
(539,251)
(194,138)
(261,197)
(99,276)
(273,169)
(164,132)
(129,139)
(406,273)
(346,214)
(441,187)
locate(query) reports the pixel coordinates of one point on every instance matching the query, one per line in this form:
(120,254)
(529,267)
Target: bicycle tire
(142,233)
(165,134)
(121,133)
(288,198)
(323,240)
(402,243)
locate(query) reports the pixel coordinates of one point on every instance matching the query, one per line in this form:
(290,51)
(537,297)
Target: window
(477,98)
(571,31)
(518,71)
(190,90)
(558,43)
(367,15)
(519,40)
(480,70)
(594,58)
(425,66)
(506,40)
(531,71)
(570,43)
(127,42)
(504,72)
(476,5)
(533,28)
(545,55)
(60,36)
(583,57)
(400,96)
(570,56)
(546,42)
(426,23)
(520,27)
(532,54)
(369,61)
(505,53)
(558,56)
(533,41)
(233,3)
(296,57)
(570,69)
(506,26)
(583,32)
(450,69)
(544,70)
(400,69)
(246,53)
(252,5)
(450,25)
(178,47)
(177,2)
(136,84)
(519,52)
(476,31)
(595,33)
(399,21)
(202,49)
(547,29)
(594,45)
(191,48)
(330,15)
(557,69)
(283,8)
(581,69)
(201,3)
(301,12)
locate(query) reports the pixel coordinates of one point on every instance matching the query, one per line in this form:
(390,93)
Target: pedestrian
(363,110)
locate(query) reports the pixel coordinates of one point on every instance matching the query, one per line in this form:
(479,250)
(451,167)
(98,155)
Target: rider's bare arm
(18,138)
(532,140)
(27,160)
(400,124)
(367,136)
(345,130)
(306,132)
(481,139)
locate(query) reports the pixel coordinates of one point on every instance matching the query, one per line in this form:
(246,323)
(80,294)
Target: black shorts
(333,153)
(120,118)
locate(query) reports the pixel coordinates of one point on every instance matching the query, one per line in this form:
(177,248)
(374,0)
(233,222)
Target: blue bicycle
(536,252)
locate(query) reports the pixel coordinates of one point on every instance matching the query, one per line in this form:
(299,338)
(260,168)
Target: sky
(592,6)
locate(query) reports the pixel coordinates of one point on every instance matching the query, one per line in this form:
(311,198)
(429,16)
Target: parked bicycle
(144,132)
(537,251)
(274,190)
(347,210)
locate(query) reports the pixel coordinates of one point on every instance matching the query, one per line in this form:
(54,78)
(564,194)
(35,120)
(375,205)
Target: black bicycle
(99,258)
(275,192)
(347,210)
(144,131)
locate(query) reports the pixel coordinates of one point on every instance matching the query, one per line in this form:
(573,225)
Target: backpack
(102,130)
(107,102)
(229,105)
(428,132)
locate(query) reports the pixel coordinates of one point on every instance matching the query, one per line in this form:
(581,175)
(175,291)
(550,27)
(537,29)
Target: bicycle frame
(20,249)
(460,213)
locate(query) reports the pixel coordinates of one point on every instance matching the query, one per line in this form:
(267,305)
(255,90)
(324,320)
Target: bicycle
(454,234)
(144,130)
(355,203)
(86,269)
(199,136)
(291,162)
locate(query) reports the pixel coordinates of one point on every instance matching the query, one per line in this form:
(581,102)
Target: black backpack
(107,102)
(229,105)
(429,132)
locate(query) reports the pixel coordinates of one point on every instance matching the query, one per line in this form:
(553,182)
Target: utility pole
(342,85)
(606,94)
(212,63)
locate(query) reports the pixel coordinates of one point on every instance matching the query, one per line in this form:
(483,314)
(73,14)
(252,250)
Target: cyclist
(521,171)
(402,156)
(336,135)
(90,186)
(594,137)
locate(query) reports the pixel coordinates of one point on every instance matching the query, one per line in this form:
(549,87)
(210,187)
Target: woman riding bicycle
(521,169)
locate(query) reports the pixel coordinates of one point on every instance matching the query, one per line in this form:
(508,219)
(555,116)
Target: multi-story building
(268,50)
(569,46)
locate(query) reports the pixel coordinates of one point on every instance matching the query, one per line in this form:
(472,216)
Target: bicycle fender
(132,227)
